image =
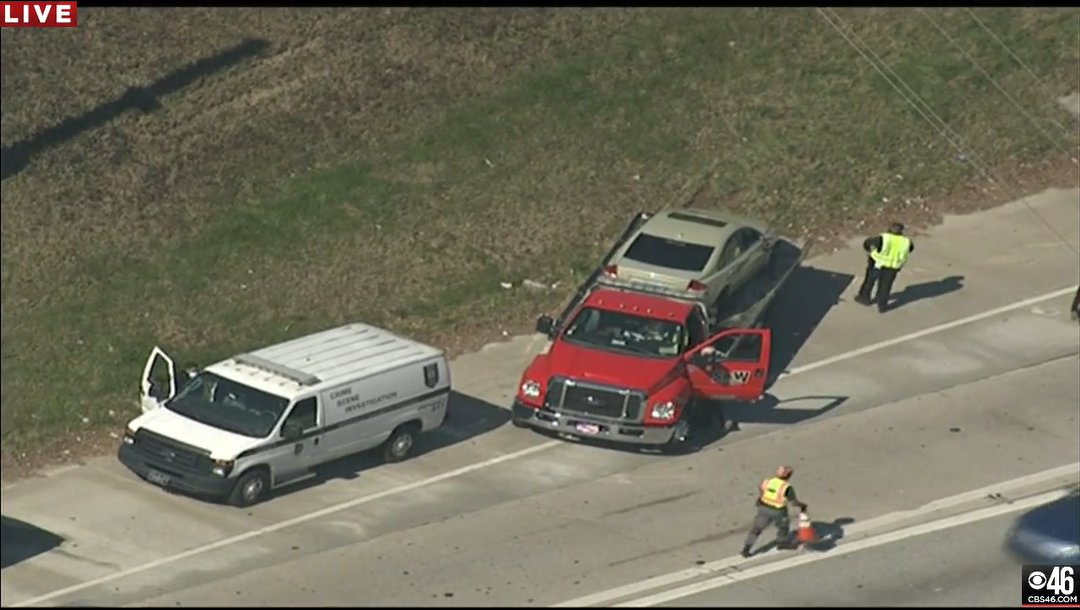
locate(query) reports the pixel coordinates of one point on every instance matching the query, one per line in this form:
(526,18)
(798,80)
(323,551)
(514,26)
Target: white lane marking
(282,525)
(854,547)
(932,330)
(666,580)
(480,465)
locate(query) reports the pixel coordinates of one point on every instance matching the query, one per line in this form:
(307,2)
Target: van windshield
(215,401)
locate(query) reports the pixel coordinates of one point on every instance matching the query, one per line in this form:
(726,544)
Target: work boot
(746,552)
(861,300)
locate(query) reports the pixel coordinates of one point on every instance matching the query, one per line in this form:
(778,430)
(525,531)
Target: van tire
(400,443)
(250,488)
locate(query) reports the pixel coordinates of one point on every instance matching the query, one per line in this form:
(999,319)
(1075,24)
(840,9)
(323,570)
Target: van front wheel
(400,443)
(250,488)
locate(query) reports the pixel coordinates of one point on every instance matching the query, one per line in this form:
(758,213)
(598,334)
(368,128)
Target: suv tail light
(611,271)
(696,286)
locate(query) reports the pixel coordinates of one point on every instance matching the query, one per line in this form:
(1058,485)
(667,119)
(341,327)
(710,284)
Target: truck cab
(628,367)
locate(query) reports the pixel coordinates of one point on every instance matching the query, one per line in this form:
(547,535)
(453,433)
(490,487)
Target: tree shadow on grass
(17,157)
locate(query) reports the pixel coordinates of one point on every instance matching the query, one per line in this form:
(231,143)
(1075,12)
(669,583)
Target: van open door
(738,370)
(158,380)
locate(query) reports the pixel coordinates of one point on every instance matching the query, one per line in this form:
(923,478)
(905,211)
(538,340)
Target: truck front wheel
(680,438)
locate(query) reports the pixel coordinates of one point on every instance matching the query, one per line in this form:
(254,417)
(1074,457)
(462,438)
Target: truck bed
(746,308)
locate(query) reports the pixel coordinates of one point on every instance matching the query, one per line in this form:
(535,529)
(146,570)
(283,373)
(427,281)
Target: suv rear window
(670,253)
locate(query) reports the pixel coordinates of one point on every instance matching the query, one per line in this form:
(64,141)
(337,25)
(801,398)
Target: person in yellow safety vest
(887,254)
(775,495)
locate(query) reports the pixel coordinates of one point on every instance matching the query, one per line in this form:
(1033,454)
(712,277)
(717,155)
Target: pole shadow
(20,541)
(787,411)
(17,157)
(925,290)
(798,309)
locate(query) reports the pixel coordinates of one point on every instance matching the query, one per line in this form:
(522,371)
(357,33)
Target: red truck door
(738,371)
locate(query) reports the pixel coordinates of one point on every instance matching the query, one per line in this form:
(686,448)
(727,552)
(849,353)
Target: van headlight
(129,436)
(663,410)
(530,389)
(222,468)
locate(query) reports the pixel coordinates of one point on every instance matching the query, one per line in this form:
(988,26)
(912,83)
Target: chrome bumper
(588,427)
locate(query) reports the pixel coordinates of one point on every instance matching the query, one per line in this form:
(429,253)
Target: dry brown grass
(394,165)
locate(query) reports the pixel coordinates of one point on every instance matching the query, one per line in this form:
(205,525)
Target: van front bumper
(584,426)
(163,474)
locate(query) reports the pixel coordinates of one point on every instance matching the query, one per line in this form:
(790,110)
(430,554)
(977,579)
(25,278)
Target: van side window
(303,415)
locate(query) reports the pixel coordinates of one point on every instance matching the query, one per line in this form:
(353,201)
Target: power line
(994,81)
(984,170)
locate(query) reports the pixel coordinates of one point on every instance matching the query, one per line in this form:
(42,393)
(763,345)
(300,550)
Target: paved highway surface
(965,566)
(969,382)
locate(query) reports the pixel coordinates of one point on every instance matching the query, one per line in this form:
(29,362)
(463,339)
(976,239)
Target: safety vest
(773,491)
(893,253)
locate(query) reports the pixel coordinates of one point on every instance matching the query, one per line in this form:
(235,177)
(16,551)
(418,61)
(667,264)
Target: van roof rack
(305,379)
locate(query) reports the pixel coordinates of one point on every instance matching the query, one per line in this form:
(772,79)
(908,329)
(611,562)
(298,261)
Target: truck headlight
(129,436)
(222,468)
(530,389)
(663,410)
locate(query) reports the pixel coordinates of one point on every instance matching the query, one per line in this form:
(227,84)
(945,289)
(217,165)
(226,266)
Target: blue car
(1049,533)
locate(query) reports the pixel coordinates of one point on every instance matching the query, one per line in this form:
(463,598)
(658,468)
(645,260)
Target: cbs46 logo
(1060,580)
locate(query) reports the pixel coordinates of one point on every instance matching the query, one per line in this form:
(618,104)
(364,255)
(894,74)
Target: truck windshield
(626,332)
(221,403)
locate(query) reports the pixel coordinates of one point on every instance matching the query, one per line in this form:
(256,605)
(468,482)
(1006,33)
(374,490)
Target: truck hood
(610,368)
(222,444)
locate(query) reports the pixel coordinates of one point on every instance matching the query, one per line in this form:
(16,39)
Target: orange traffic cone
(805,533)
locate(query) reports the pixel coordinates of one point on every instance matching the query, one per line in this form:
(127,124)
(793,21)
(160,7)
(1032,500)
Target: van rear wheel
(400,443)
(250,488)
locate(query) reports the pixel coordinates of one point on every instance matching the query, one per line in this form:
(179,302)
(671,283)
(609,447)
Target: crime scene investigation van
(259,420)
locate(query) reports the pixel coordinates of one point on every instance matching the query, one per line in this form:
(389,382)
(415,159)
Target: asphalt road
(963,566)
(977,368)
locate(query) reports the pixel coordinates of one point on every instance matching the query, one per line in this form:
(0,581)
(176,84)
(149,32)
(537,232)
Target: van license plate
(158,478)
(588,428)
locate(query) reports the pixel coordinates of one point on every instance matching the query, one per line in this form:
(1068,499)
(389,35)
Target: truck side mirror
(545,325)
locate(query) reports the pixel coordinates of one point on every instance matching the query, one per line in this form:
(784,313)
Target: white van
(259,420)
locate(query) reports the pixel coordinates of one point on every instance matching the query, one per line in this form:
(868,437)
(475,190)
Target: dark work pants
(884,279)
(769,516)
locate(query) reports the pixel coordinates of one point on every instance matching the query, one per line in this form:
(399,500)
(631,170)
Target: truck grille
(588,399)
(171,452)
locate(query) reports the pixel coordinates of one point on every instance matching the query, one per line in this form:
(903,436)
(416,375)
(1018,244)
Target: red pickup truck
(626,363)
(627,367)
